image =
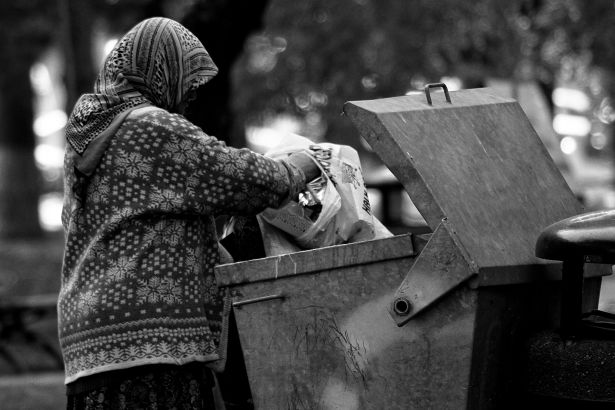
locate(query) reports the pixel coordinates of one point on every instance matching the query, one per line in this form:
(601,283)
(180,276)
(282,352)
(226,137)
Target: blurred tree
(307,62)
(595,30)
(80,22)
(314,55)
(77,21)
(570,42)
(222,26)
(26,28)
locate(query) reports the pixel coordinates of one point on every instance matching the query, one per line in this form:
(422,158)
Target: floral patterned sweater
(137,280)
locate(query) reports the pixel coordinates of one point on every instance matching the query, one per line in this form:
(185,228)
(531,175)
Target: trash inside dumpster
(407,323)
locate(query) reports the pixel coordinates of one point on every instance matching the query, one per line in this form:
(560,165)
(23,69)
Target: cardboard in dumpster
(397,324)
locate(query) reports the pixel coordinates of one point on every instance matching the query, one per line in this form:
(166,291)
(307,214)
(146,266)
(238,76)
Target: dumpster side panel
(331,343)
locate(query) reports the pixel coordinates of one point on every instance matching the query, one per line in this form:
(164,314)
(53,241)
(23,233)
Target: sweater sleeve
(191,172)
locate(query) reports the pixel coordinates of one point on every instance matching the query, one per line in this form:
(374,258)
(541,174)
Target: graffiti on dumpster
(323,334)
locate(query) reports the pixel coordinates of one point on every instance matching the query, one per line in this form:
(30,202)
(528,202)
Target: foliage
(26,28)
(316,54)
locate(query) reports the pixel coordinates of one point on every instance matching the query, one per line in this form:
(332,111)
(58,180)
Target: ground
(31,267)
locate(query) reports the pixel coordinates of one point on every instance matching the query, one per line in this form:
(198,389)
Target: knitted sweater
(137,279)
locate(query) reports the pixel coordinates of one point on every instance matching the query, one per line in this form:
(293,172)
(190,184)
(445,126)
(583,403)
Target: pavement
(34,391)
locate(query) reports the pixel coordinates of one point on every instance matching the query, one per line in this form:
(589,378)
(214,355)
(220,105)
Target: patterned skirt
(145,387)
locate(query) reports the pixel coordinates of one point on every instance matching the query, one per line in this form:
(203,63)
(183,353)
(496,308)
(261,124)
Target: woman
(140,315)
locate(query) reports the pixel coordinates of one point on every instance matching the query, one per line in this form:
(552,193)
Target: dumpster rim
(316,260)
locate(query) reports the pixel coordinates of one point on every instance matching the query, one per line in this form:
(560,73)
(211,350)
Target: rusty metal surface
(331,344)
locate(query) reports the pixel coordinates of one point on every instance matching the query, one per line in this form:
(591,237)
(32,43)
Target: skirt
(145,387)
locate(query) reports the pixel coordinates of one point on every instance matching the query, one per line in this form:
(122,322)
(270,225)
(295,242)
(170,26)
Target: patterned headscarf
(157,62)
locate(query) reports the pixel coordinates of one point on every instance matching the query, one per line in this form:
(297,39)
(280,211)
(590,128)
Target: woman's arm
(191,172)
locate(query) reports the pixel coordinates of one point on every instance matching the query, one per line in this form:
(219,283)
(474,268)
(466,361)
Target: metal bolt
(402,306)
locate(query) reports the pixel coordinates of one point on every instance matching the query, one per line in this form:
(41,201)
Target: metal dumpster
(407,323)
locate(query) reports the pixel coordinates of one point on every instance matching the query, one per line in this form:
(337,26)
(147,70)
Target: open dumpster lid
(474,162)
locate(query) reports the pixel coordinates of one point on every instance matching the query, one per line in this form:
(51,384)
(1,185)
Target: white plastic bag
(295,220)
(345,215)
(354,222)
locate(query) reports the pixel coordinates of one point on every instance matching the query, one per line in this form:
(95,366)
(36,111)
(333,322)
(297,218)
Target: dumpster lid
(473,160)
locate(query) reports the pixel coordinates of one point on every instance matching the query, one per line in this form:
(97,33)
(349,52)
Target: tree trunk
(223,27)
(77,22)
(19,178)
(26,28)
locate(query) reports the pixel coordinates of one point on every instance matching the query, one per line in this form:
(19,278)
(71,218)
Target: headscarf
(157,63)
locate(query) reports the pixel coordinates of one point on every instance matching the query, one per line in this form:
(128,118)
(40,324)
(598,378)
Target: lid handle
(434,85)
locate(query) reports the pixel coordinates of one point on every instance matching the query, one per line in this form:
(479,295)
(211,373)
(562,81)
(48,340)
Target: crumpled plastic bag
(354,221)
(311,228)
(335,209)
